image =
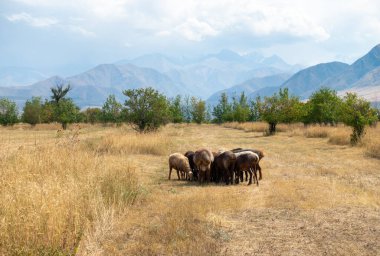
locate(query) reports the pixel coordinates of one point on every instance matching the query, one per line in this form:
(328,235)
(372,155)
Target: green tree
(112,110)
(32,111)
(146,108)
(223,111)
(240,108)
(323,107)
(357,113)
(198,110)
(176,110)
(186,109)
(254,109)
(92,115)
(66,112)
(47,112)
(8,112)
(59,91)
(280,108)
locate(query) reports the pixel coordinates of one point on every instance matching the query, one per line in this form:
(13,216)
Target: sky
(69,36)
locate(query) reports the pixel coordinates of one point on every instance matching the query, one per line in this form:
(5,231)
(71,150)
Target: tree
(66,112)
(240,108)
(323,107)
(280,108)
(59,92)
(198,110)
(32,111)
(111,110)
(92,115)
(176,110)
(357,113)
(186,109)
(146,108)
(223,111)
(254,113)
(47,112)
(8,112)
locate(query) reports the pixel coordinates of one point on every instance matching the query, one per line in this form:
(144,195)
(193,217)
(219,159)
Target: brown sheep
(247,161)
(203,159)
(190,156)
(258,152)
(223,167)
(181,164)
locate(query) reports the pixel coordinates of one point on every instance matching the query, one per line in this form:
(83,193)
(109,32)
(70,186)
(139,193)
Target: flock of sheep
(204,165)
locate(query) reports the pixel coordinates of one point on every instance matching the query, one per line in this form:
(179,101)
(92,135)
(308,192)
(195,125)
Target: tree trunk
(64,126)
(272,128)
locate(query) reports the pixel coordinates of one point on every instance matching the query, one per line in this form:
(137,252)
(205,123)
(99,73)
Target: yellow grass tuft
(50,196)
(317,132)
(132,143)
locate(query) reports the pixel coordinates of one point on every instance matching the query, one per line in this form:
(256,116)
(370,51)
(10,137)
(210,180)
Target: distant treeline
(147,109)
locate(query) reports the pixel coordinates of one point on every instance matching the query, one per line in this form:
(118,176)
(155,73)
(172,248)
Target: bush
(146,108)
(8,112)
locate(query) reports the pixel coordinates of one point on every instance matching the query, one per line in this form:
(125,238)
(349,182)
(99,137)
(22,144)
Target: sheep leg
(246,176)
(250,177)
(257,181)
(208,175)
(179,178)
(170,171)
(259,168)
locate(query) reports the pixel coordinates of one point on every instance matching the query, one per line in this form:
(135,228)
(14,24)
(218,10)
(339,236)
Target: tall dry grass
(261,127)
(50,196)
(131,143)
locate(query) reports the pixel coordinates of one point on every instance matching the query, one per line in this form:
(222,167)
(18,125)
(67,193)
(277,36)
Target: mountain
(308,80)
(213,72)
(356,71)
(92,87)
(249,87)
(362,77)
(19,76)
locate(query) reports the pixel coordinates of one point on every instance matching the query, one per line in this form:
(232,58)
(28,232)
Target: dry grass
(51,195)
(104,191)
(131,143)
(317,132)
(260,127)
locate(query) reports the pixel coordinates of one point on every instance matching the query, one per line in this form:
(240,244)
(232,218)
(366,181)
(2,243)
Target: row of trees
(145,107)
(323,107)
(148,109)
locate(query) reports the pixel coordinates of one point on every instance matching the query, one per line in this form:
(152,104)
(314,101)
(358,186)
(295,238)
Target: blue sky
(66,37)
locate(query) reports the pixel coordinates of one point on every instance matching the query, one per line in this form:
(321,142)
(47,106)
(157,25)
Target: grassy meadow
(104,190)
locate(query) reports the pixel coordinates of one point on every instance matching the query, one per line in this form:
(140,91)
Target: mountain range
(361,77)
(206,77)
(199,77)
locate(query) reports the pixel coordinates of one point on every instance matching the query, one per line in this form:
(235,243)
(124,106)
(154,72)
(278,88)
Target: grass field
(96,190)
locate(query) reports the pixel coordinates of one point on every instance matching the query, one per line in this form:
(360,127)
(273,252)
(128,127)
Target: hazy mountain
(250,86)
(308,80)
(92,87)
(19,76)
(356,71)
(362,77)
(212,72)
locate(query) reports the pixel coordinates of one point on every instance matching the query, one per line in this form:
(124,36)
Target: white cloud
(81,31)
(195,30)
(32,21)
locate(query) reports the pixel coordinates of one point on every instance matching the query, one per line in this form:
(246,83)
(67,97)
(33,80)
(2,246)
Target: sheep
(223,166)
(190,157)
(258,152)
(203,159)
(181,164)
(247,161)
